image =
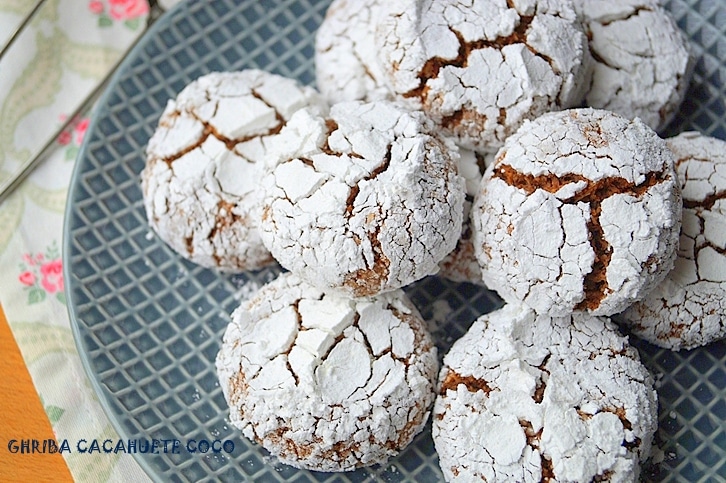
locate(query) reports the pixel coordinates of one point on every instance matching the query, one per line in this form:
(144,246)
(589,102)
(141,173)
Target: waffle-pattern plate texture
(149,324)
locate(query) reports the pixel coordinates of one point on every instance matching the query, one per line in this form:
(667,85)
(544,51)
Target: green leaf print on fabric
(19,7)
(104,21)
(130,12)
(85,59)
(51,200)
(39,339)
(36,87)
(72,153)
(133,24)
(41,274)
(54,413)
(35,295)
(11,212)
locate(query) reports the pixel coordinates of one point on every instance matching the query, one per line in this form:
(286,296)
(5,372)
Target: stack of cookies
(511,144)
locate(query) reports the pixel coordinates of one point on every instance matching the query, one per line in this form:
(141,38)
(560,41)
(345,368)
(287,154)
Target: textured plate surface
(149,324)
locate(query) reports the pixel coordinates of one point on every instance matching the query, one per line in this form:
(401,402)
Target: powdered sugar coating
(327,383)
(346,59)
(642,60)
(364,201)
(204,165)
(461,264)
(481,67)
(688,309)
(580,211)
(534,398)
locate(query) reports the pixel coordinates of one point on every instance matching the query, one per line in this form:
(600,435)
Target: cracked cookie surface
(346,59)
(479,68)
(688,309)
(363,201)
(204,164)
(530,398)
(642,62)
(580,211)
(327,383)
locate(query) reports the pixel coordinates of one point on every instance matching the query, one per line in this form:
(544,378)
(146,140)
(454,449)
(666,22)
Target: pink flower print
(96,7)
(81,129)
(128,9)
(52,273)
(65,138)
(27,278)
(41,275)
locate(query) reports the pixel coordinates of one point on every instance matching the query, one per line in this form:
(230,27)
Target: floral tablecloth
(68,47)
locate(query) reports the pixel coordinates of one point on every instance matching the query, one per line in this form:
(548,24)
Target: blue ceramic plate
(148,324)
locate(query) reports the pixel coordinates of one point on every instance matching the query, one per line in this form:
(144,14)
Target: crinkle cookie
(688,309)
(363,201)
(642,61)
(533,398)
(327,383)
(203,165)
(580,211)
(481,67)
(346,59)
(461,264)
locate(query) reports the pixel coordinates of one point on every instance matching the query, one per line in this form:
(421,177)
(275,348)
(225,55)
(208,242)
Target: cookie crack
(355,189)
(223,221)
(636,12)
(627,425)
(706,203)
(472,384)
(541,385)
(620,413)
(533,440)
(365,280)
(595,283)
(433,66)
(419,336)
(373,276)
(533,437)
(230,143)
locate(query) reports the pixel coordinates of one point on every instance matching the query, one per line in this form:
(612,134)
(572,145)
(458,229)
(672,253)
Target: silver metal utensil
(8,186)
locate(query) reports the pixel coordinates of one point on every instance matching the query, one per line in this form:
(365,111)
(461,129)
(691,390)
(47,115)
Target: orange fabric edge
(23,418)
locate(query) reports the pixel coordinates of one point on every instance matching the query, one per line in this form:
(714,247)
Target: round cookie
(533,398)
(480,68)
(580,211)
(642,61)
(327,383)
(346,59)
(688,309)
(203,165)
(363,201)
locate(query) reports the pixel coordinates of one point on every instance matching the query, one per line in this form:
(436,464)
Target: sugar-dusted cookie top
(480,68)
(642,60)
(362,201)
(203,164)
(324,382)
(580,211)
(531,398)
(688,309)
(347,67)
